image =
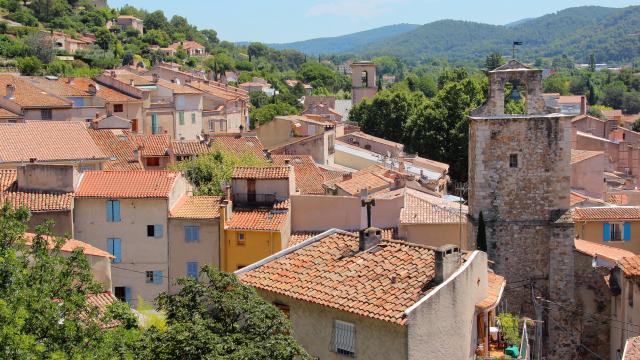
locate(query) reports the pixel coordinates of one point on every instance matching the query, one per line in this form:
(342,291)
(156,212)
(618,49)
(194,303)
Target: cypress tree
(481,237)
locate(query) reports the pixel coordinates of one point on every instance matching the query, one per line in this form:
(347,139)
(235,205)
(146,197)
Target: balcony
(253,199)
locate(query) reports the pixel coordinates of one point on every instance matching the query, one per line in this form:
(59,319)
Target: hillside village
(228,213)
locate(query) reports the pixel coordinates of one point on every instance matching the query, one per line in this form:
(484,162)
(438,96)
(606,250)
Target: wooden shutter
(606,232)
(109,210)
(626,232)
(116,210)
(157,277)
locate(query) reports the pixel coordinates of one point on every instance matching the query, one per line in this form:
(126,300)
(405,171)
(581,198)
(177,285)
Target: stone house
(519,178)
(363,81)
(127,214)
(364,297)
(123,22)
(193,48)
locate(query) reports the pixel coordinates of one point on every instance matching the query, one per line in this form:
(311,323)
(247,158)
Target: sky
(279,21)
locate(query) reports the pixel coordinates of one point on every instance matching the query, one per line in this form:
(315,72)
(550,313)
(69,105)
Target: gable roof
(582,155)
(102,91)
(28,95)
(607,213)
(35,201)
(223,92)
(239,144)
(600,250)
(186,45)
(261,173)
(117,145)
(631,349)
(152,144)
(630,266)
(329,270)
(47,141)
(257,219)
(127,184)
(189,147)
(197,207)
(70,245)
(309,178)
(299,236)
(56,86)
(495,289)
(422,208)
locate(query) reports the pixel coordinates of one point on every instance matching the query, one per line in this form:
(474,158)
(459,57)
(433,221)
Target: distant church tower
(363,81)
(519,178)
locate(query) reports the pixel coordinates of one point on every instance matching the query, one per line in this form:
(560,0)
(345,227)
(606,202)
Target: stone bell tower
(363,81)
(519,178)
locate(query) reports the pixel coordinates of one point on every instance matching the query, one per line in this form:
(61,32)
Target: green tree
(43,299)
(104,39)
(592,62)
(156,20)
(217,317)
(636,125)
(29,66)
(493,61)
(266,113)
(208,172)
(256,50)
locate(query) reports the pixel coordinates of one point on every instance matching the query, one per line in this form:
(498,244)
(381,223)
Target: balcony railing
(254,199)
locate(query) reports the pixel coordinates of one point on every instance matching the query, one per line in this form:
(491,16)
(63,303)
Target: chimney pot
(10,90)
(369,238)
(347,176)
(92,89)
(447,262)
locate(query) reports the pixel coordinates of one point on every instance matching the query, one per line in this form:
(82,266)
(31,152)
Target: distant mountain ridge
(346,43)
(576,32)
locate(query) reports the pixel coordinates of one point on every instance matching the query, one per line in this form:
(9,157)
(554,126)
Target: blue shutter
(116,210)
(627,232)
(192,269)
(117,251)
(157,277)
(110,247)
(195,233)
(154,123)
(127,295)
(157,231)
(187,233)
(606,232)
(109,210)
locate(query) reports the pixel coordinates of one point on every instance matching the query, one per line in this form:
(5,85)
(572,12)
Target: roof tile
(127,184)
(197,207)
(607,213)
(262,173)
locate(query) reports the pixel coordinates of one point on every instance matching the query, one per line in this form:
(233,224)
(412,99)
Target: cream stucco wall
(313,327)
(594,231)
(274,132)
(434,234)
(443,325)
(140,253)
(623,312)
(281,188)
(204,252)
(352,161)
(588,175)
(56,114)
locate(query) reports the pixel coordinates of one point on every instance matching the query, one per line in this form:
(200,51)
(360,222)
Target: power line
(579,342)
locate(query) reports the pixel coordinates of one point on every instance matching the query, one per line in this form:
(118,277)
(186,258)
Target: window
(46,114)
(122,293)
(181,117)
(513,160)
(113,210)
(630,292)
(364,79)
(118,108)
(154,231)
(192,269)
(134,125)
(192,233)
(154,123)
(114,247)
(343,340)
(193,118)
(152,161)
(240,239)
(616,232)
(84,168)
(153,277)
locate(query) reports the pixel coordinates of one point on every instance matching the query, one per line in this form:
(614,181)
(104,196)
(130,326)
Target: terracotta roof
(380,283)
(632,349)
(177,88)
(70,245)
(299,236)
(262,173)
(239,144)
(630,266)
(309,178)
(581,155)
(189,147)
(7,114)
(427,209)
(257,220)
(604,251)
(116,144)
(607,213)
(362,179)
(152,144)
(127,184)
(495,288)
(575,198)
(35,201)
(197,207)
(587,117)
(28,95)
(186,45)
(104,92)
(56,86)
(47,141)
(570,99)
(226,92)
(618,199)
(362,135)
(126,77)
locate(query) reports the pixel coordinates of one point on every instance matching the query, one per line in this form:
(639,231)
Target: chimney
(70,80)
(227,192)
(286,162)
(92,89)
(10,90)
(604,189)
(583,105)
(447,262)
(176,81)
(155,78)
(347,176)
(113,73)
(266,154)
(97,115)
(131,82)
(136,154)
(369,238)
(33,160)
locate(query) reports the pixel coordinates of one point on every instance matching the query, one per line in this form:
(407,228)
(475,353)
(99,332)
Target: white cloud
(354,8)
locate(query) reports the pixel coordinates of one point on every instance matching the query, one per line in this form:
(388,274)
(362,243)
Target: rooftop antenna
(513,48)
